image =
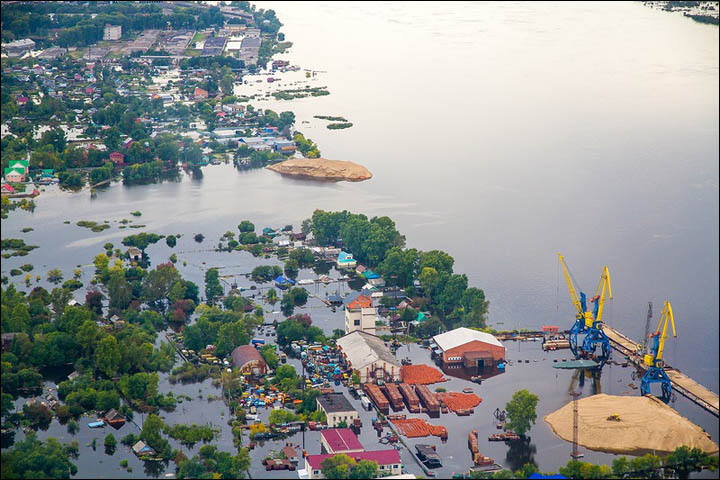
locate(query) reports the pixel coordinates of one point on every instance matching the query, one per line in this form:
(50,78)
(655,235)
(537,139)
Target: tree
(686,460)
(268,354)
(141,240)
(107,355)
(119,290)
(55,276)
(337,466)
(365,469)
(157,283)
(231,335)
(213,289)
(171,241)
(521,411)
(94,301)
(110,442)
(34,458)
(151,430)
(291,269)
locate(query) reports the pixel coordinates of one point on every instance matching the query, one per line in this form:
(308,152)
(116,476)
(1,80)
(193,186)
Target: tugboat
(428,456)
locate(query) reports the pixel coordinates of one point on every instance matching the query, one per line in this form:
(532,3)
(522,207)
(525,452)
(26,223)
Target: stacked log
(412,400)
(428,399)
(393,394)
(377,397)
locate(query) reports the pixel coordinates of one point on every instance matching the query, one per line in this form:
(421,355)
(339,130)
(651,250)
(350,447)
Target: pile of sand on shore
(322,169)
(646,425)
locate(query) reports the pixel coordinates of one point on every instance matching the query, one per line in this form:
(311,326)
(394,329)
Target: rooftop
(341,440)
(382,457)
(334,402)
(244,354)
(362,349)
(461,336)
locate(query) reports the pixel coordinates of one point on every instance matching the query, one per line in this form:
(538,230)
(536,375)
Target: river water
(502,133)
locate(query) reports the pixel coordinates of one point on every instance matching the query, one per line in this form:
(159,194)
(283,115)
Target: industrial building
(18,48)
(469,348)
(214,46)
(112,32)
(247,359)
(337,408)
(369,357)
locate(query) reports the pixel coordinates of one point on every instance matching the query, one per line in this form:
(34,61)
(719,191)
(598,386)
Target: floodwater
(502,133)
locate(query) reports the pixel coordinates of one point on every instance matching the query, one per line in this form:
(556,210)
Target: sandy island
(646,425)
(322,169)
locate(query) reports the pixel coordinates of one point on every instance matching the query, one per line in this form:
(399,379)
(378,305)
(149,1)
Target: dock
(681,383)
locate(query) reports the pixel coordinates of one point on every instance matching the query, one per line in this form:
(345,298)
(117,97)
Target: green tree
(365,469)
(213,289)
(231,335)
(107,355)
(269,355)
(119,290)
(521,411)
(337,466)
(55,276)
(292,269)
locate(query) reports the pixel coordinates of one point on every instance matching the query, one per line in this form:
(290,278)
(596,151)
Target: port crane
(653,360)
(589,322)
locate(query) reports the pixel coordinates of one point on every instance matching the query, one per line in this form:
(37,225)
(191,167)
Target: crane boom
(604,283)
(571,288)
(659,338)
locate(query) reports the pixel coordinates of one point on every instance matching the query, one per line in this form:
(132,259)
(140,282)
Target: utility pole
(575,454)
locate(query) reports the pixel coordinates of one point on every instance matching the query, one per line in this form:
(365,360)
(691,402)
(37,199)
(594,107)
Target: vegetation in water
(339,126)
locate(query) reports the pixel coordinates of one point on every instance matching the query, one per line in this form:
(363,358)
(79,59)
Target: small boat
(467,390)
(476,378)
(96,424)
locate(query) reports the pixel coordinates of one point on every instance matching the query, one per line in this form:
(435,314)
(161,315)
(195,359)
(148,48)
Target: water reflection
(520,453)
(464,373)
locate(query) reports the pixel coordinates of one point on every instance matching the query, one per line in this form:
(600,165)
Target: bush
(123,463)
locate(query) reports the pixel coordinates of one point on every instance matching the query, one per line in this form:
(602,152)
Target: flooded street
(501,133)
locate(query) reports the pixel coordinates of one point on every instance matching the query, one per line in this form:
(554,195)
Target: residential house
(14,175)
(360,314)
(22,100)
(346,260)
(135,254)
(290,453)
(200,93)
(140,449)
(7,188)
(117,158)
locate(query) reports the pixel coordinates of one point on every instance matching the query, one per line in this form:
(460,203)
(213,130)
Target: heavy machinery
(589,322)
(653,360)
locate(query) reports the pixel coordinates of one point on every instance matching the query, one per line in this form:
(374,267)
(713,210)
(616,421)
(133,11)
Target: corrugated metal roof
(363,349)
(461,336)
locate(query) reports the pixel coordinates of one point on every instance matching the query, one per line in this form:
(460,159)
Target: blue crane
(589,322)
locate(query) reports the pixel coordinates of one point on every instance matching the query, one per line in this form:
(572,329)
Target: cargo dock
(681,383)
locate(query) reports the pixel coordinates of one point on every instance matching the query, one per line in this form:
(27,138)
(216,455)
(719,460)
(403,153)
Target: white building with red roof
(340,440)
(389,462)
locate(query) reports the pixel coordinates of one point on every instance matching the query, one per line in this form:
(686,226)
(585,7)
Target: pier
(681,383)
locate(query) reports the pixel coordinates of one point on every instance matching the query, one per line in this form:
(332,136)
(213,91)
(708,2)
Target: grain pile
(322,169)
(459,401)
(646,425)
(416,427)
(421,374)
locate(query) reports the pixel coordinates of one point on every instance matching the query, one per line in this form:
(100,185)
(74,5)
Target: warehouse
(248,360)
(368,356)
(469,349)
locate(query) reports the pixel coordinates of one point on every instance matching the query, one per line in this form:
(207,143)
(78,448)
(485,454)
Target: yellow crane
(653,360)
(586,321)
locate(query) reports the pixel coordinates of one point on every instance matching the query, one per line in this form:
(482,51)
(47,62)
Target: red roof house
(22,100)
(362,301)
(200,93)
(117,158)
(389,462)
(340,440)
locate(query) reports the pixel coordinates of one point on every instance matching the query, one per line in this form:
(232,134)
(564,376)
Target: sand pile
(416,427)
(421,374)
(458,401)
(646,425)
(322,169)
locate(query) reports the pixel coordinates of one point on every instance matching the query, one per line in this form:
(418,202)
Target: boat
(476,378)
(97,424)
(467,390)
